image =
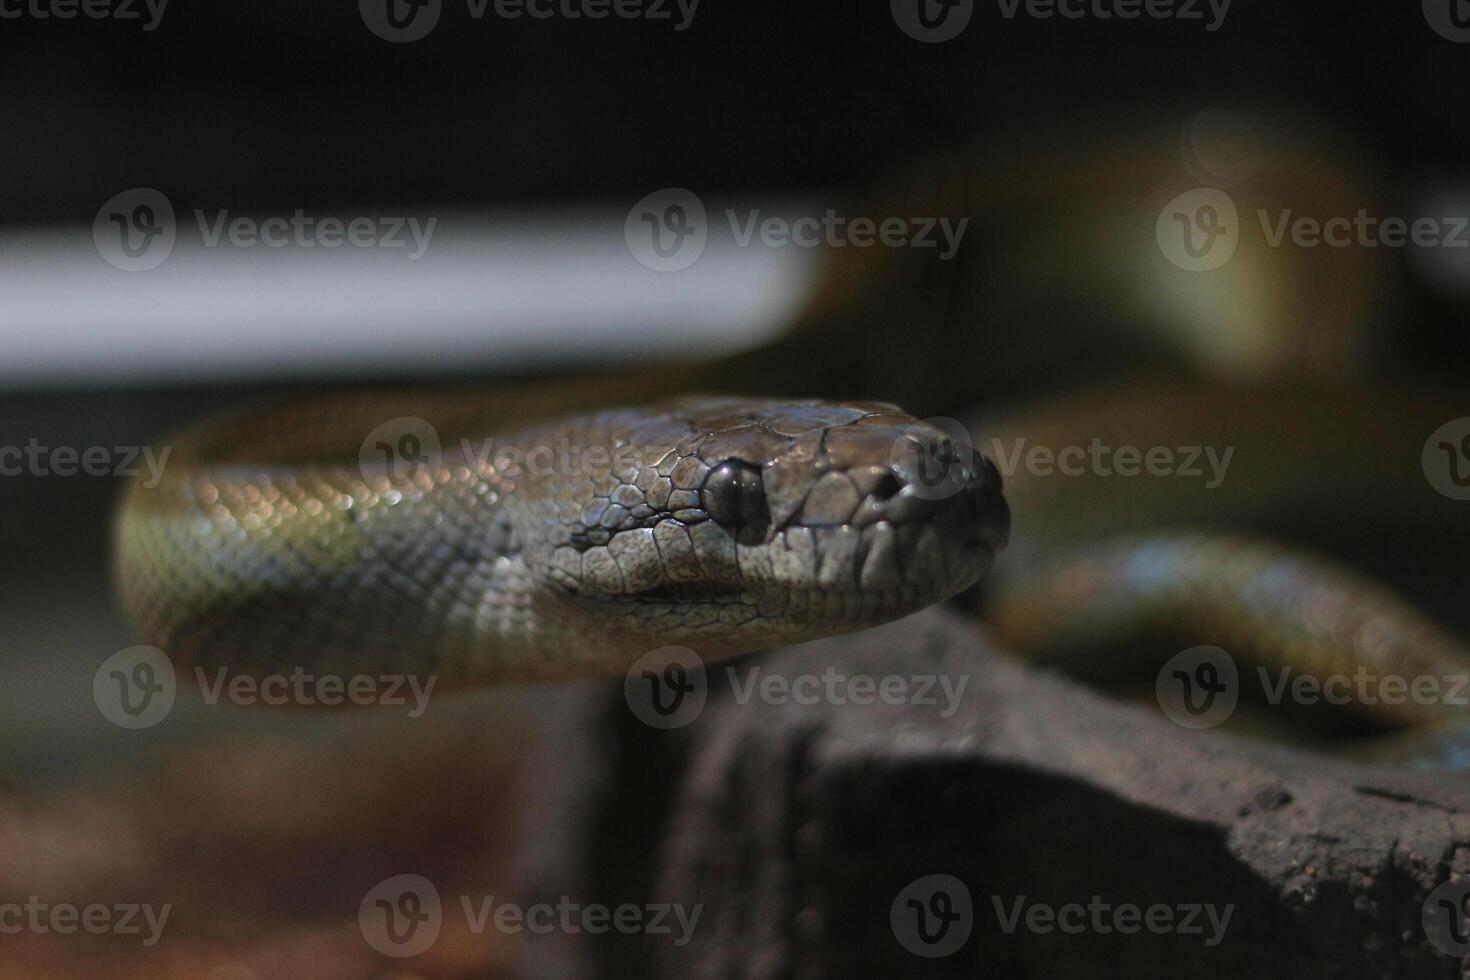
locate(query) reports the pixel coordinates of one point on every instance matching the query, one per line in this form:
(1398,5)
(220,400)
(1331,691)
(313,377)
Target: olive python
(727,524)
(735,523)
(748,517)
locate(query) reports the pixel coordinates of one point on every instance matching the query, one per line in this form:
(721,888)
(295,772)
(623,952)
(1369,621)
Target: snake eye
(734,496)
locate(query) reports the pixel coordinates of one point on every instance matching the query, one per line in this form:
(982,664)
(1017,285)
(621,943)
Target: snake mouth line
(691,592)
(876,563)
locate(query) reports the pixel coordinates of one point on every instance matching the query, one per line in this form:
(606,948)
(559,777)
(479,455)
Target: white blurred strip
(1445,265)
(491,292)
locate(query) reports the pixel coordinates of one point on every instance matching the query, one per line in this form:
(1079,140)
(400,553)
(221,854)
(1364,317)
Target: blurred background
(523,151)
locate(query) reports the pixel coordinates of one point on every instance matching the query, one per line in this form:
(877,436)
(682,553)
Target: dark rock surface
(804,833)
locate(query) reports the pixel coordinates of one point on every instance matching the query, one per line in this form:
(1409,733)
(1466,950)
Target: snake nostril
(885,486)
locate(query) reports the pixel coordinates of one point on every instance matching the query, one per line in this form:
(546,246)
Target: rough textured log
(795,828)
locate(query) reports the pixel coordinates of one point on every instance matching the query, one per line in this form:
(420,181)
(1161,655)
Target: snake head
(731,524)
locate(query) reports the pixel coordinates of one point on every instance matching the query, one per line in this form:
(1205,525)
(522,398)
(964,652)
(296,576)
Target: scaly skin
(724,524)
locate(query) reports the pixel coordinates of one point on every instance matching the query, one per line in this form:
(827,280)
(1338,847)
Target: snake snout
(988,513)
(947,482)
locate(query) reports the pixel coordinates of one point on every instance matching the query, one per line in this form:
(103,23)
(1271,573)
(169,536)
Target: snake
(779,495)
(537,544)
(279,539)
